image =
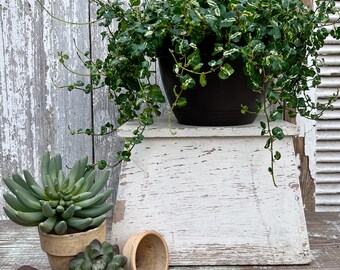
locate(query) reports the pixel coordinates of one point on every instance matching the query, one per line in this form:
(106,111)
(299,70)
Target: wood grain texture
(212,197)
(306,181)
(20,246)
(35,115)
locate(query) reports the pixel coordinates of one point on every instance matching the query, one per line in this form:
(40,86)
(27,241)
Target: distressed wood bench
(20,246)
(208,191)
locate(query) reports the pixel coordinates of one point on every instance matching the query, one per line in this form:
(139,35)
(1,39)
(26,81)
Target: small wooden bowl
(146,250)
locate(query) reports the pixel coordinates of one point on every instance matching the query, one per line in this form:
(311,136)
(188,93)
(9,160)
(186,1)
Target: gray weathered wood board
(36,115)
(104,111)
(208,191)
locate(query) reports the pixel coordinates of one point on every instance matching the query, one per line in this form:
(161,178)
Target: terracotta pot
(146,251)
(61,249)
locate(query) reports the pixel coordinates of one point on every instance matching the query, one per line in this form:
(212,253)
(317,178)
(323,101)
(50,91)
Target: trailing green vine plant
(278,41)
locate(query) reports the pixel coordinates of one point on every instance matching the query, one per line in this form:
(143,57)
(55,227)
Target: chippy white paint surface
(34,114)
(208,191)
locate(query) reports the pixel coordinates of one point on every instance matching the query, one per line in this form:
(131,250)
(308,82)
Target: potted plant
(98,256)
(70,211)
(143,250)
(265,49)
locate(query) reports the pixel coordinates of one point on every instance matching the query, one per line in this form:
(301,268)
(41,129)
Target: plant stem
(61,20)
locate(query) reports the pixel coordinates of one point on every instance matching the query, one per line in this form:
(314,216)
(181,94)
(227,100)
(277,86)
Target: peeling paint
(34,115)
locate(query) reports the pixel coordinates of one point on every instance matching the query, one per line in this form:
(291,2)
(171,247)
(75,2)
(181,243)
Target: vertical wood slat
(34,114)
(306,181)
(104,111)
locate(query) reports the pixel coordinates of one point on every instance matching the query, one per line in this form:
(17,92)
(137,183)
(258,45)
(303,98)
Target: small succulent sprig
(62,204)
(98,256)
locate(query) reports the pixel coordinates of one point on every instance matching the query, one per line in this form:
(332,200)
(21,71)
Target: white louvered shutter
(327,178)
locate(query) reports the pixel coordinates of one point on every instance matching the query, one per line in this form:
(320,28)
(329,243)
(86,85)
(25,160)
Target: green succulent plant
(98,256)
(63,203)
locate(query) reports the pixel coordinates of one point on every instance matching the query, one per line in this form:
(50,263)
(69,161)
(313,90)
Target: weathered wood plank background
(35,115)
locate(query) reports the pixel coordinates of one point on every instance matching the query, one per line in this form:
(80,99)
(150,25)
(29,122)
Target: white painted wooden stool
(207,190)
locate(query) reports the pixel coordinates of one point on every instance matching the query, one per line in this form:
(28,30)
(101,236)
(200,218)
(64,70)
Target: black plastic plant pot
(216,104)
